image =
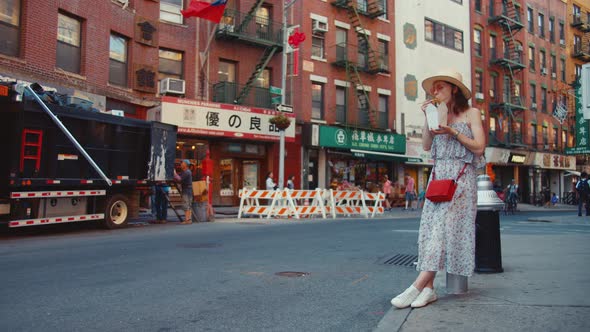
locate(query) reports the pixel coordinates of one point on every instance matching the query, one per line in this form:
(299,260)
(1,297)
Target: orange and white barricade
(256,202)
(346,203)
(314,202)
(373,202)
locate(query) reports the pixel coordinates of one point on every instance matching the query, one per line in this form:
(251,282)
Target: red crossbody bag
(442,190)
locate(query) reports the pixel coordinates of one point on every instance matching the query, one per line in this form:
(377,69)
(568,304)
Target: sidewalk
(545,286)
(230,214)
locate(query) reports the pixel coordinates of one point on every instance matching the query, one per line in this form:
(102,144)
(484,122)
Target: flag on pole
(212,11)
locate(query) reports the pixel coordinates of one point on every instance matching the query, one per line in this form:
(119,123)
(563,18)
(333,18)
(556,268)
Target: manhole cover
(402,260)
(291,274)
(199,245)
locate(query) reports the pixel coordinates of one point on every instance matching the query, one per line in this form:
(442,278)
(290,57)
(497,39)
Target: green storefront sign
(582,127)
(345,138)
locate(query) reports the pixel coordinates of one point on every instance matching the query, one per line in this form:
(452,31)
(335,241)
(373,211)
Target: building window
(552,29)
(553,66)
(477,5)
(578,71)
(544,99)
(443,34)
(545,137)
(226,71)
(541,22)
(341,104)
(263,30)
(533,93)
(493,126)
(118,60)
(363,52)
(317,101)
(577,44)
(542,60)
(170,11)
(564,138)
(383,49)
(555,138)
(493,85)
(493,51)
(479,82)
(171,64)
(561,34)
(68,43)
(532,58)
(384,6)
(383,111)
(477,41)
(534,135)
(263,81)
(529,17)
(317,42)
(10,27)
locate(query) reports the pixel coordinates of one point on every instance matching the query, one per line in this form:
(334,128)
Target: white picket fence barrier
(309,203)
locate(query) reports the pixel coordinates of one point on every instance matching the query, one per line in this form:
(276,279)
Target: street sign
(276,100)
(275,90)
(285,108)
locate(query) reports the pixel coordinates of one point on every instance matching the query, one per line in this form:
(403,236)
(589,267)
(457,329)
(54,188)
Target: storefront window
(226,172)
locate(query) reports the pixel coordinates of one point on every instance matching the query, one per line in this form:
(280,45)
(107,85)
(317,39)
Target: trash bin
(200,212)
(488,248)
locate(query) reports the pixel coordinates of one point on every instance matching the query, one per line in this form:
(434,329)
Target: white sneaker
(406,298)
(426,296)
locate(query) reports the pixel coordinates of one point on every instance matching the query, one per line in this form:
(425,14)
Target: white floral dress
(447,230)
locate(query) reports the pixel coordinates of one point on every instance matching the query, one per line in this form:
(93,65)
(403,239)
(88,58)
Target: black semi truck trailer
(65,163)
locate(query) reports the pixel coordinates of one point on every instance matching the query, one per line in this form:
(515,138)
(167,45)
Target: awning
(570,173)
(384,155)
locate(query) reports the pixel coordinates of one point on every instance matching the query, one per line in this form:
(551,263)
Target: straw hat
(449,76)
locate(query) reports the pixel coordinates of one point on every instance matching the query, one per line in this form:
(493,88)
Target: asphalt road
(217,276)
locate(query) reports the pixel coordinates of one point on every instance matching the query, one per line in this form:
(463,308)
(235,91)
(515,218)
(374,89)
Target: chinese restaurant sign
(227,120)
(345,138)
(582,127)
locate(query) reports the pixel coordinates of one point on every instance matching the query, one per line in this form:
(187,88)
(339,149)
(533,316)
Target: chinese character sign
(214,119)
(581,135)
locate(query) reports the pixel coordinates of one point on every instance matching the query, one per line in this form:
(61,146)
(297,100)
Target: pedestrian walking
(387,191)
(185,178)
(270,182)
(446,239)
(161,202)
(583,193)
(291,182)
(410,191)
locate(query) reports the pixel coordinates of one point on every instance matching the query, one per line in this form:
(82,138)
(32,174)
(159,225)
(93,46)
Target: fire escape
(508,104)
(250,29)
(367,60)
(581,49)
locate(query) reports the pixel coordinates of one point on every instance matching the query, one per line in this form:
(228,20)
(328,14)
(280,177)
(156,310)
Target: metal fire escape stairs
(373,67)
(264,60)
(511,61)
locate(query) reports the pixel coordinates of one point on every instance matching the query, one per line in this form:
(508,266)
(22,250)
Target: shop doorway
(250,174)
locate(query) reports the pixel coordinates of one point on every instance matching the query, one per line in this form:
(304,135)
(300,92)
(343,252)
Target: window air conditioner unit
(479,95)
(320,26)
(553,75)
(562,42)
(543,71)
(172,86)
(519,48)
(534,105)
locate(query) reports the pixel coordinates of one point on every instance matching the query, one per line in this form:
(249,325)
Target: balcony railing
(227,92)
(508,59)
(370,8)
(252,30)
(579,23)
(582,51)
(512,102)
(348,54)
(499,13)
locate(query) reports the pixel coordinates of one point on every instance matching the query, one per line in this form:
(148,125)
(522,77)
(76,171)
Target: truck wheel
(116,212)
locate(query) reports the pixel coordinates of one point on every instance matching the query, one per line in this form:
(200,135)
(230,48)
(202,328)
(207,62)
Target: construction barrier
(309,203)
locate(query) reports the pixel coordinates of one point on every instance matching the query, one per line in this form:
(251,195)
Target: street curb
(393,320)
